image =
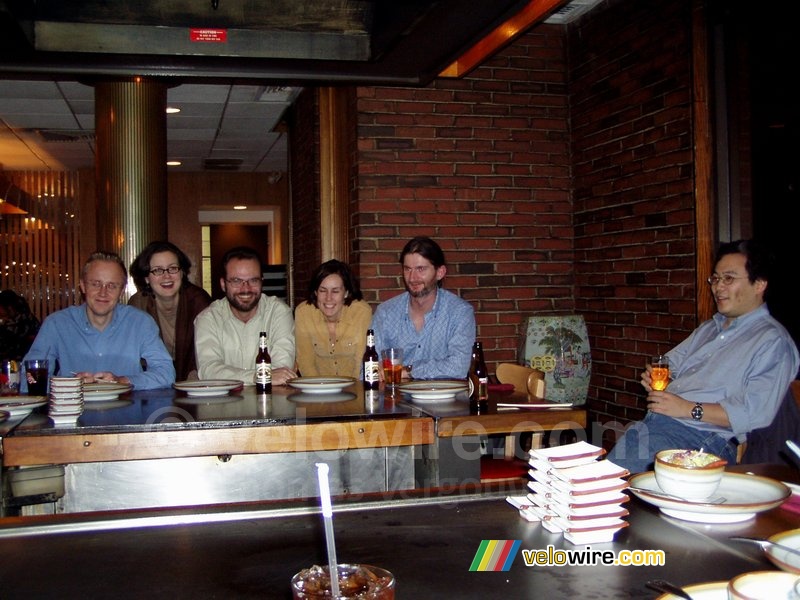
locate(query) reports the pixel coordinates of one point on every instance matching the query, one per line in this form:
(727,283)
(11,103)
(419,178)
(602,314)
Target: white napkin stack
(66,400)
(575,492)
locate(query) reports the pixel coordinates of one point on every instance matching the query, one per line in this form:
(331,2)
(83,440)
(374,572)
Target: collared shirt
(68,337)
(226,347)
(442,349)
(746,368)
(317,355)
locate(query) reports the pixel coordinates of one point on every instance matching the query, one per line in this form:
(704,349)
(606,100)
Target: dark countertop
(427,542)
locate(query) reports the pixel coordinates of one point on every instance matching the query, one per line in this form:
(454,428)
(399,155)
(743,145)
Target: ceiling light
(172,110)
(174,163)
(239,207)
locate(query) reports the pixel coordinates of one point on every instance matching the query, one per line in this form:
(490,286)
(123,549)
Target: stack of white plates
(66,400)
(576,492)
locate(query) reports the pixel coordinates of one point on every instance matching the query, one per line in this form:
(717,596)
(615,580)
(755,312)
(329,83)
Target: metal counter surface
(428,544)
(168,409)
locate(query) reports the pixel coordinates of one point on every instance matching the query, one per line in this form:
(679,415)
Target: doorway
(224,236)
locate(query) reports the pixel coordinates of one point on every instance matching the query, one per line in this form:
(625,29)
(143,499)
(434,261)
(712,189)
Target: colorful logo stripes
(495,555)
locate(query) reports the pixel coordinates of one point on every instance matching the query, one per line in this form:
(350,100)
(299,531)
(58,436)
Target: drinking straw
(327,515)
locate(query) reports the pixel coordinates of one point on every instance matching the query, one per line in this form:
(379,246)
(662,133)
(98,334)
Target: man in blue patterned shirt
(434,327)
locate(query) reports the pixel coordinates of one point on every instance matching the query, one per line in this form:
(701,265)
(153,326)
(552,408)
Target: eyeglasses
(252,282)
(725,279)
(159,271)
(111,286)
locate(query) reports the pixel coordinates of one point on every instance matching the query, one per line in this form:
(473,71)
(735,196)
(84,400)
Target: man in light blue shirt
(434,327)
(727,378)
(102,340)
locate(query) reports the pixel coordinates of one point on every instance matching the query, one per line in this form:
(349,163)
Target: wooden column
(131,129)
(334,170)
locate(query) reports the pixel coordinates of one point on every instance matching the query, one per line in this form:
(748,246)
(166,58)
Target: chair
(524,379)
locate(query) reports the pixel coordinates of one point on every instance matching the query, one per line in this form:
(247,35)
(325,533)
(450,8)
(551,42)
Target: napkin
(501,387)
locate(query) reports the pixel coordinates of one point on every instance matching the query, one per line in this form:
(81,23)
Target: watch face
(697,412)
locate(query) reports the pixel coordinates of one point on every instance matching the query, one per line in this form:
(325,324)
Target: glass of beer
(392,360)
(659,375)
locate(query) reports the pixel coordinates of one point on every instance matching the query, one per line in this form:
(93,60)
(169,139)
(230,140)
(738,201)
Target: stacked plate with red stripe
(575,491)
(66,400)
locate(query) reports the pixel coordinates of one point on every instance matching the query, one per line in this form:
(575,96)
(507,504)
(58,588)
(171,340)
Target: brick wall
(481,165)
(632,158)
(558,179)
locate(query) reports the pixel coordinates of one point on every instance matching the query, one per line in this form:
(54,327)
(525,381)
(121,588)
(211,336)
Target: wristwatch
(697,412)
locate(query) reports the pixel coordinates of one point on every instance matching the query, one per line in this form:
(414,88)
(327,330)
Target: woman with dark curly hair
(331,325)
(161,275)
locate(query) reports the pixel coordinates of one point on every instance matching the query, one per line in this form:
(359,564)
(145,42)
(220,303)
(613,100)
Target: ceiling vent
(222,164)
(570,12)
(65,135)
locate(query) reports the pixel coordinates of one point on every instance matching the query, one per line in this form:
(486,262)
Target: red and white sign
(208,35)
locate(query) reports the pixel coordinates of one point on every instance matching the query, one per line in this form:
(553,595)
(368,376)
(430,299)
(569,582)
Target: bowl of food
(690,474)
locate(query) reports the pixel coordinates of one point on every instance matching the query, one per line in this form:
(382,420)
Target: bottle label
(263,374)
(372,371)
(483,388)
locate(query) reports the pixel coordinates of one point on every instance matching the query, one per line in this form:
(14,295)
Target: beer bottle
(263,366)
(479,377)
(370,363)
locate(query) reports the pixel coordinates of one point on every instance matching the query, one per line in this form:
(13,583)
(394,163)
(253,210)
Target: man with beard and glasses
(434,327)
(226,333)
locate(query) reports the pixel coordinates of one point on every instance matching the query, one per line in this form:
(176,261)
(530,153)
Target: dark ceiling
(400,41)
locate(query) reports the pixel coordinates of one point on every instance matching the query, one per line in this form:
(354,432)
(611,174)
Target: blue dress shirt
(68,337)
(442,349)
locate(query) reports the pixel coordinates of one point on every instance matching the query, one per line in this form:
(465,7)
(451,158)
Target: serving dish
(433,390)
(321,385)
(208,387)
(744,497)
(713,590)
(4,416)
(18,406)
(100,392)
(781,558)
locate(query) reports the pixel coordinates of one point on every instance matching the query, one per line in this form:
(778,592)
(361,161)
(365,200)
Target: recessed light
(239,207)
(174,163)
(172,110)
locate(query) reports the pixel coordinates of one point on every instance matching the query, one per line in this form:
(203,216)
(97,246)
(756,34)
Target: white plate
(715,590)
(18,406)
(208,387)
(332,397)
(781,558)
(433,390)
(321,385)
(100,392)
(189,400)
(745,495)
(64,419)
(106,405)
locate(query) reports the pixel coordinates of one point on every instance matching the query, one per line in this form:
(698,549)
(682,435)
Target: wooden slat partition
(40,254)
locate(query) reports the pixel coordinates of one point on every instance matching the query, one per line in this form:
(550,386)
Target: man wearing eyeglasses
(102,340)
(226,333)
(727,378)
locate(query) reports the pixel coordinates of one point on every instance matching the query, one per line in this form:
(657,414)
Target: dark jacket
(768,444)
(191,302)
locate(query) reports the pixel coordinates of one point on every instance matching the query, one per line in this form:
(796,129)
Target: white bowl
(762,585)
(686,481)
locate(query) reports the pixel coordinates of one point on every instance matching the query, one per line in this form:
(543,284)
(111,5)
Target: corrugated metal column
(131,130)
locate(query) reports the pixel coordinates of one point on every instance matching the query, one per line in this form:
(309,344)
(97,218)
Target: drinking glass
(392,360)
(9,378)
(660,374)
(38,372)
(362,581)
